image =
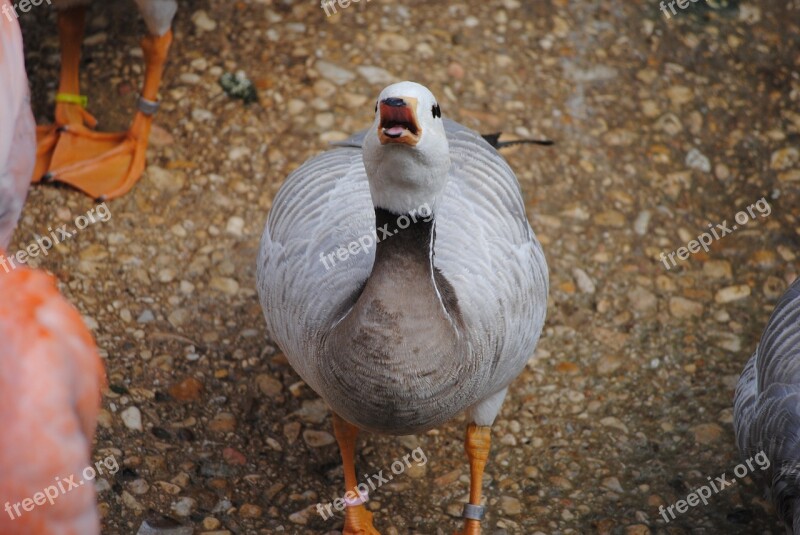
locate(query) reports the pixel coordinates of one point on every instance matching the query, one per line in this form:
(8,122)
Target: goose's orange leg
(357,520)
(477,444)
(105,165)
(70,32)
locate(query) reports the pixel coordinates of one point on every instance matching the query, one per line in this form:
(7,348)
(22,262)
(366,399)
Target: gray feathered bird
(766,412)
(400,276)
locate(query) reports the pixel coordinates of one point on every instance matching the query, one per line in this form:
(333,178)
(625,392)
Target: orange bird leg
(357,520)
(70,32)
(106,166)
(477,445)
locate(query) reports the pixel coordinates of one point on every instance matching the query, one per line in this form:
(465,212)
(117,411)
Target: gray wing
(487,250)
(767,403)
(484,247)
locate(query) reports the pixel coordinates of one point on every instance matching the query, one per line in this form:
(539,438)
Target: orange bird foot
(103,165)
(358,521)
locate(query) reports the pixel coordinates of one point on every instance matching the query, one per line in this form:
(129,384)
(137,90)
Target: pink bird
(50,371)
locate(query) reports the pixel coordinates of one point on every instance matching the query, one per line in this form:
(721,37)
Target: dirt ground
(663,126)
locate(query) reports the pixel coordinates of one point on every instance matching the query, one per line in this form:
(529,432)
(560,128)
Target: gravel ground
(663,126)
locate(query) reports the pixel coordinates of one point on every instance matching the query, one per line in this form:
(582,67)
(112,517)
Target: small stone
(248,510)
(166,181)
(612,483)
(183,507)
(334,73)
(448,478)
(189,78)
(718,269)
(235,226)
(610,218)
(610,421)
(641,299)
(608,364)
(187,390)
(697,160)
(302,516)
(133,504)
(138,486)
(679,94)
(132,418)
(296,106)
(392,42)
(456,71)
(146,317)
(224,284)
(732,293)
(210,522)
(376,75)
(203,22)
(223,422)
(269,385)
(318,439)
(583,281)
(784,158)
(707,433)
(681,307)
(164,526)
(510,505)
(642,223)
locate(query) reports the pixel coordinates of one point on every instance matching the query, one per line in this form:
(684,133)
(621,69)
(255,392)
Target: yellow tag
(69,98)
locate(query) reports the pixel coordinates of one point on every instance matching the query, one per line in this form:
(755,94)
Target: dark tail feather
(494,141)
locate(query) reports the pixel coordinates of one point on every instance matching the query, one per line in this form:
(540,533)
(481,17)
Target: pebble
(376,75)
(235,226)
(707,433)
(318,439)
(718,269)
(223,422)
(583,281)
(132,418)
(681,307)
(166,181)
(269,385)
(732,293)
(189,389)
(303,516)
(183,507)
(248,510)
(392,42)
(642,223)
(784,158)
(203,22)
(150,527)
(642,300)
(697,160)
(510,505)
(610,218)
(334,73)
(225,285)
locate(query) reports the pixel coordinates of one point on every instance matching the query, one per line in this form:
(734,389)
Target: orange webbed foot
(358,521)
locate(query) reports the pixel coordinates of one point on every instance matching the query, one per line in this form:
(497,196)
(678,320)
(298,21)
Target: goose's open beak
(399,121)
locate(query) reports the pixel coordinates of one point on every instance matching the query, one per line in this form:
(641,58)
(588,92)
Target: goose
(103,165)
(399,275)
(766,412)
(50,371)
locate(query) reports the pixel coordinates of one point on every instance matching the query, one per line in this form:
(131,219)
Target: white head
(406,154)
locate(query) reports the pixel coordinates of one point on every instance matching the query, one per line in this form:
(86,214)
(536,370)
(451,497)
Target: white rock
(334,73)
(376,75)
(132,418)
(697,160)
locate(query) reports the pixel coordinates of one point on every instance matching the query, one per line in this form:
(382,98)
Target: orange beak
(398,122)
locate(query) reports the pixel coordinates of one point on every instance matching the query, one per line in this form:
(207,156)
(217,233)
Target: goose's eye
(436,111)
